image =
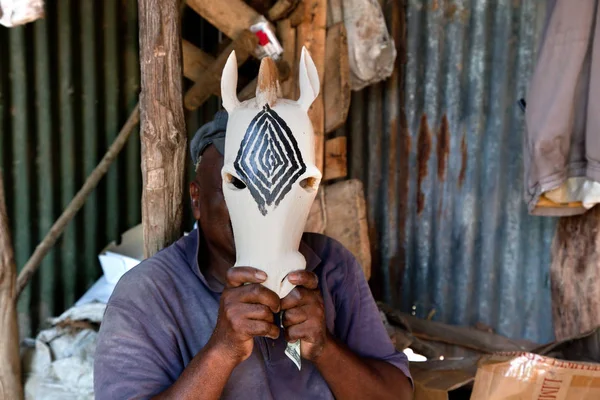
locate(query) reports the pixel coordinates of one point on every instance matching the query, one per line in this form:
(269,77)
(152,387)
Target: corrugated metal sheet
(438,146)
(67,84)
(445,192)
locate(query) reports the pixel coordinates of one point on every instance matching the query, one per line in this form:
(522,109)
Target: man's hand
(246,310)
(304,315)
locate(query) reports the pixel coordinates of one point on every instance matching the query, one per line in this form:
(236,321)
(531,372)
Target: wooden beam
(312,33)
(210,80)
(10,362)
(335,12)
(287,36)
(195,61)
(163,135)
(462,336)
(298,16)
(336,91)
(282,9)
(575,274)
(336,160)
(231,17)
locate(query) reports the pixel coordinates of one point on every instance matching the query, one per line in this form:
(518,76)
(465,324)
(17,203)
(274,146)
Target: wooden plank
(335,12)
(163,135)
(10,362)
(316,221)
(336,161)
(231,17)
(342,215)
(575,274)
(299,15)
(337,93)
(195,61)
(287,36)
(347,220)
(462,336)
(282,9)
(211,78)
(312,34)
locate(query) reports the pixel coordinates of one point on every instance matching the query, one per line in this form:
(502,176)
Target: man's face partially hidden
(208,204)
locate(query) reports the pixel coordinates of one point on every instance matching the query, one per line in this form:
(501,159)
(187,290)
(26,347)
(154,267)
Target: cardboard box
(565,370)
(531,376)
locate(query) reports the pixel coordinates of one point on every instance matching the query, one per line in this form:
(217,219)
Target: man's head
(206,191)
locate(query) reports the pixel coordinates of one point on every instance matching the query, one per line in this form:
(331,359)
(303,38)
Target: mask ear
(229,80)
(309,80)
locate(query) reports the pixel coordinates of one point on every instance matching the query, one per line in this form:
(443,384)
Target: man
(184,324)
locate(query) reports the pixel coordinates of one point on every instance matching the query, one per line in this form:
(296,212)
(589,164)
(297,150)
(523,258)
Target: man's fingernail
(260,275)
(293,275)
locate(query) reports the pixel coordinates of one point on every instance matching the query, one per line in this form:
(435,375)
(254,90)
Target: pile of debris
(477,364)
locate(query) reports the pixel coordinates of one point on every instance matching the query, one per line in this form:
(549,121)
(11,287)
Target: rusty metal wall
(451,234)
(67,85)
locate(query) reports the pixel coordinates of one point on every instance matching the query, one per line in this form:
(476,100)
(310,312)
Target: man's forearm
(352,377)
(204,377)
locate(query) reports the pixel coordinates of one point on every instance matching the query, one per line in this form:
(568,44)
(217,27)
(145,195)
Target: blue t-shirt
(164,311)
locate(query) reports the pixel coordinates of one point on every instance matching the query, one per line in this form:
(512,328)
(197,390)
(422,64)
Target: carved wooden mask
(270,179)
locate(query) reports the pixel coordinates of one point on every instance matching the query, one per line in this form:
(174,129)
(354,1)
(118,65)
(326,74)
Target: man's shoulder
(154,275)
(338,267)
(329,250)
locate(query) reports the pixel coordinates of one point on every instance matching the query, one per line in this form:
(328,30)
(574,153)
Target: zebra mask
(270,179)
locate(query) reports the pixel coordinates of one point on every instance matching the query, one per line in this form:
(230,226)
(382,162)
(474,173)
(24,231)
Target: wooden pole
(10,364)
(575,274)
(287,36)
(162,120)
(312,34)
(336,91)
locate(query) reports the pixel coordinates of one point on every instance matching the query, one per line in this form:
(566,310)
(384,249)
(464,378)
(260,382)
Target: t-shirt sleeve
(134,358)
(358,322)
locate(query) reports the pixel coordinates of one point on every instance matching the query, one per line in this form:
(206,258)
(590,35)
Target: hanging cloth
(562,142)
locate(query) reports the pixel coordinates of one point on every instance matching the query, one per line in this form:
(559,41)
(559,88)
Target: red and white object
(268,44)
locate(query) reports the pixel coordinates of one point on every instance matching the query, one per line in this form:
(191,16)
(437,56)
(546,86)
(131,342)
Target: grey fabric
(213,133)
(562,142)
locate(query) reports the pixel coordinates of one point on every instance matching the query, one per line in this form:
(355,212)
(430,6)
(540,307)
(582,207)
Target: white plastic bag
(20,12)
(371,49)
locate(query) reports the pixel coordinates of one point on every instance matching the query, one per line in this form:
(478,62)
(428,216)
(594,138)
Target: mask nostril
(310,184)
(235,182)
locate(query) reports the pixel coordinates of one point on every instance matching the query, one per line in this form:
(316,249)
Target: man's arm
(352,377)
(348,375)
(203,378)
(246,310)
(136,358)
